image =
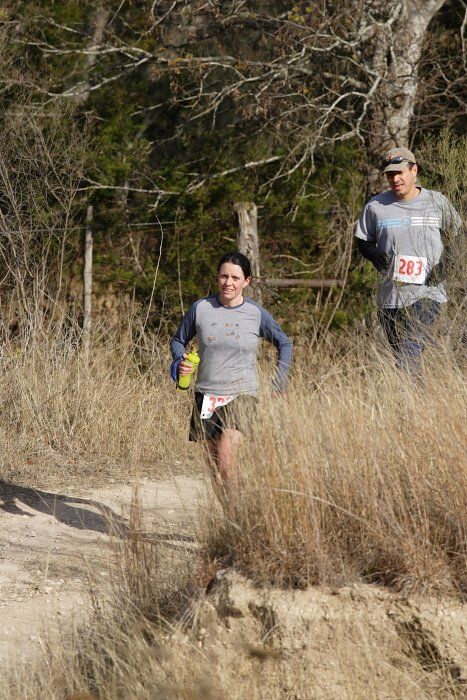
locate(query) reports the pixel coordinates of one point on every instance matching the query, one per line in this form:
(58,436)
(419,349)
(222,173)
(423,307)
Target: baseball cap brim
(394,167)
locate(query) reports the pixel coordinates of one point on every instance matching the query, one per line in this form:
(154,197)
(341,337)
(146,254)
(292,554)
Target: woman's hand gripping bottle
(184,380)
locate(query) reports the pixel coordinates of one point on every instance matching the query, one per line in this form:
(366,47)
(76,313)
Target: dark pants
(408,329)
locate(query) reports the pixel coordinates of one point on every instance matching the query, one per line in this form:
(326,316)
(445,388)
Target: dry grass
(358,473)
(137,646)
(144,665)
(65,422)
(361,476)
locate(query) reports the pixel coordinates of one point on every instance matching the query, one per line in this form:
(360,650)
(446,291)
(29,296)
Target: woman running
(228,327)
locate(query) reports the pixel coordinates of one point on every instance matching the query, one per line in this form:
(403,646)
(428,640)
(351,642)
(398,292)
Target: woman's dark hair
(236,258)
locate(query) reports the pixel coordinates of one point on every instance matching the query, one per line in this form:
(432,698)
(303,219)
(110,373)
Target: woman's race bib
(210,403)
(410,269)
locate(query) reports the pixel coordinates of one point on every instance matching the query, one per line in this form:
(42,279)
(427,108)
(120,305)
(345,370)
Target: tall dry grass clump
(64,420)
(359,474)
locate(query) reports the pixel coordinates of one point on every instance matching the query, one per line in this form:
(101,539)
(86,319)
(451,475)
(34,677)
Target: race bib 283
(410,269)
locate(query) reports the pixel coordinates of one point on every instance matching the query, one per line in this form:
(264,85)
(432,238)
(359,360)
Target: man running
(405,232)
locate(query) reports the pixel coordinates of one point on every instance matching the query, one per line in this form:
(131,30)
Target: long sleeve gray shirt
(228,339)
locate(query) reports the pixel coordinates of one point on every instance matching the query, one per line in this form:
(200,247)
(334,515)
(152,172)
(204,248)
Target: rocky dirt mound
(353,642)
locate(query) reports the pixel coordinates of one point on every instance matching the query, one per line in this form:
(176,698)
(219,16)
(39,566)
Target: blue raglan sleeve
(273,333)
(186,332)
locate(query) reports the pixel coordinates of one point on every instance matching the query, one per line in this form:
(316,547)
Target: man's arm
(369,251)
(451,228)
(366,242)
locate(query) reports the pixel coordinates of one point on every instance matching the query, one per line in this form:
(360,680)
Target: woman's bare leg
(221,457)
(227,448)
(210,447)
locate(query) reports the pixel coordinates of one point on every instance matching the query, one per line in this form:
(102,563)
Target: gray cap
(401,153)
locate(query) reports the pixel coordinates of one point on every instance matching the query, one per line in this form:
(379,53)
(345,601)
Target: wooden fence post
(87,283)
(248,242)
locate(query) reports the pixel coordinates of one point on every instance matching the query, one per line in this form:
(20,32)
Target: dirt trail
(49,541)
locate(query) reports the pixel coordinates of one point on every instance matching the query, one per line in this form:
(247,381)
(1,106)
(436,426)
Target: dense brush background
(81,127)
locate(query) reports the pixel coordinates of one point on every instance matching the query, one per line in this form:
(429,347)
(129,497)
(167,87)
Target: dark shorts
(237,415)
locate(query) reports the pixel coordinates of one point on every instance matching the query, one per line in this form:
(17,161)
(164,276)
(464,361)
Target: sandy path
(49,541)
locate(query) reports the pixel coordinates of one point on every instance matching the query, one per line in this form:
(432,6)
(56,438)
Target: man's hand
(380,260)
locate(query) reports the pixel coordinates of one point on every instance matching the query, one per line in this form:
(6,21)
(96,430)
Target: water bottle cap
(193,357)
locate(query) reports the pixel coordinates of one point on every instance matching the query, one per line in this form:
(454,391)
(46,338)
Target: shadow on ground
(80,513)
(69,510)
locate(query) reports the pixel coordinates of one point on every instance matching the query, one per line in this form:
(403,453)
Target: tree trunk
(87,283)
(399,44)
(99,21)
(248,242)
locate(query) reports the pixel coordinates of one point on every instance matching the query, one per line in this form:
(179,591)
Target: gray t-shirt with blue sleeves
(413,228)
(228,339)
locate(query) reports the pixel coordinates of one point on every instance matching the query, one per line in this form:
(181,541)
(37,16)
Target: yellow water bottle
(184,380)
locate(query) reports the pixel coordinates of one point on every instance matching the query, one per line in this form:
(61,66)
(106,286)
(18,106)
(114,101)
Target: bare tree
(87,283)
(41,164)
(99,21)
(397,54)
(302,77)
(306,74)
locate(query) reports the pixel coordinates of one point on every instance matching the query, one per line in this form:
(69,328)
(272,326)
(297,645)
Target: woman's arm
(271,331)
(186,332)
